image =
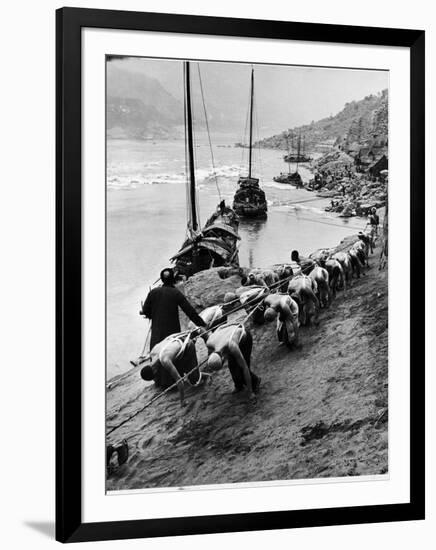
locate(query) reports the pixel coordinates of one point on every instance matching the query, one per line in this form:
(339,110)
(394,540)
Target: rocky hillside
(358,122)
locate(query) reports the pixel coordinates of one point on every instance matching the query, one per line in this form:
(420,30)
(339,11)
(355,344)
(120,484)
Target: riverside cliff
(357,122)
(320,412)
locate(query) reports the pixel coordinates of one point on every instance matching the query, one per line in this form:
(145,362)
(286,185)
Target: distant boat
(300,156)
(217,243)
(250,200)
(291,178)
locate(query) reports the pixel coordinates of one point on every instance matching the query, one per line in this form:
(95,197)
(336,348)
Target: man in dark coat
(162,307)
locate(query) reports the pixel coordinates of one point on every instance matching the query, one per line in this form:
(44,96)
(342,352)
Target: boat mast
(191,195)
(298,150)
(251,123)
(289,154)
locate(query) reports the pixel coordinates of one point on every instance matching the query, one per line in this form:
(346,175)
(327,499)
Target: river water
(146,221)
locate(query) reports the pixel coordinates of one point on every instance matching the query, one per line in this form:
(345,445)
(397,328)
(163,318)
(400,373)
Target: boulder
(208,288)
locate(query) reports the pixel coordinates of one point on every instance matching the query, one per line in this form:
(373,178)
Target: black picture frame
(69,23)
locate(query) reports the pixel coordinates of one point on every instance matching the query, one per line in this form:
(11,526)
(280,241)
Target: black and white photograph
(246,273)
(218,293)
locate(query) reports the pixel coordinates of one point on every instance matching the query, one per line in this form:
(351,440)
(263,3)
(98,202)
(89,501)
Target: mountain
(145,98)
(357,123)
(139,107)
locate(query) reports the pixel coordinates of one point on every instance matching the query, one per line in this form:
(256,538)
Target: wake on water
(203,176)
(225,174)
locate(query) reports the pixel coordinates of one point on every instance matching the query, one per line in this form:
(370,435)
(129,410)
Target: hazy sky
(286,96)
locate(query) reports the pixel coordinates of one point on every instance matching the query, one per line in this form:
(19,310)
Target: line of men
(302,287)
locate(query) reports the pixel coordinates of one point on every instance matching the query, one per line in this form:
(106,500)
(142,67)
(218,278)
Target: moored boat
(217,243)
(293,158)
(250,200)
(298,157)
(291,178)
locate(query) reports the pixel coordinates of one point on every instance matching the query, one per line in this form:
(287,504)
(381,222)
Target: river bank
(351,193)
(146,224)
(320,412)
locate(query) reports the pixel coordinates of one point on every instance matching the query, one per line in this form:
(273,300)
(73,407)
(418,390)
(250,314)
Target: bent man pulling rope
(181,379)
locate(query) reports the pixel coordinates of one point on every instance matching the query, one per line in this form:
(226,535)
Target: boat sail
(249,200)
(217,243)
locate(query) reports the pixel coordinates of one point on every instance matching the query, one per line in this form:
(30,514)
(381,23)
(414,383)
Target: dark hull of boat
(290,179)
(250,212)
(250,200)
(216,246)
(297,158)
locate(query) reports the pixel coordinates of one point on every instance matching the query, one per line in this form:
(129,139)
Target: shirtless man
(362,251)
(177,356)
(336,275)
(303,290)
(321,277)
(262,277)
(344,260)
(233,342)
(285,309)
(368,241)
(214,315)
(306,264)
(247,297)
(284,273)
(357,261)
(320,256)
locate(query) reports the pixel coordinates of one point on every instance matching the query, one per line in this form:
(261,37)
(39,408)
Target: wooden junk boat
(292,178)
(300,156)
(250,200)
(217,243)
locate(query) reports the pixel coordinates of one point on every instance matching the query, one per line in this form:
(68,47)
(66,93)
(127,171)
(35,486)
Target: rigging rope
(208,132)
(181,379)
(244,136)
(256,128)
(158,396)
(197,367)
(332,224)
(248,303)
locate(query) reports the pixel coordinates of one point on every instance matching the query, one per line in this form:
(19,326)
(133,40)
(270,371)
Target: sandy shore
(320,412)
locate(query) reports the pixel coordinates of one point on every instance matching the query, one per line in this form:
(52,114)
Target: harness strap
(217,315)
(180,339)
(237,326)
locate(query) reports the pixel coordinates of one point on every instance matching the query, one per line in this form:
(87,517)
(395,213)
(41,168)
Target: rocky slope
(357,122)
